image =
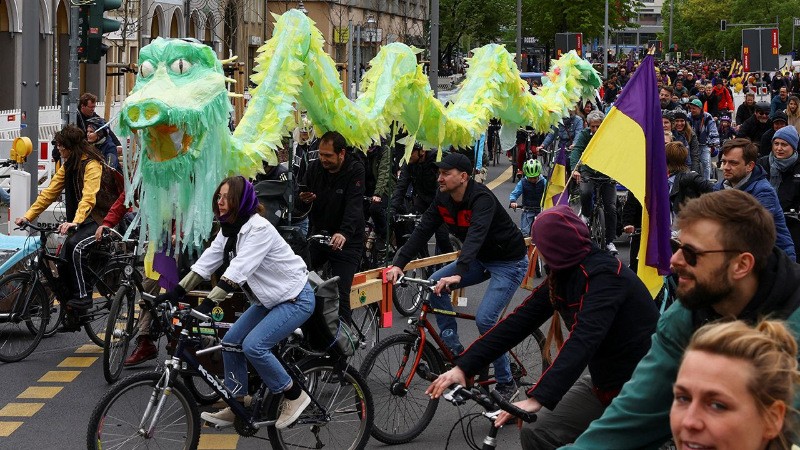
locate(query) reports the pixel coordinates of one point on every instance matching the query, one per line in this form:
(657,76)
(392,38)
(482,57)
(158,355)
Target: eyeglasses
(690,254)
(762,113)
(221,197)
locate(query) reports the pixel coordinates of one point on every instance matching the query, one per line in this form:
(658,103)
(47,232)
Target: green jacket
(385,176)
(581,142)
(638,418)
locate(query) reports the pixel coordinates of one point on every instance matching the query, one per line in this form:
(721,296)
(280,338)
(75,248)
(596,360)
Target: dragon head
(179,111)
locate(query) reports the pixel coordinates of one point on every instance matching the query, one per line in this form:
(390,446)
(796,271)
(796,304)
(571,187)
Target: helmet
(305,126)
(532,168)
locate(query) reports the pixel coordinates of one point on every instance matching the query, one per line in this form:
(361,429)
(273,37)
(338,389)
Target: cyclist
(334,183)
(608,189)
(532,188)
(254,258)
(89,191)
(728,267)
(567,130)
(379,185)
(420,174)
(611,318)
(493,247)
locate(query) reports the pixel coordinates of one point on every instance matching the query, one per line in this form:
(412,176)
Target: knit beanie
(561,237)
(788,134)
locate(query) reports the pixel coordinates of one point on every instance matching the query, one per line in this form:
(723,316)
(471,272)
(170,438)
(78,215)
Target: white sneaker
(612,248)
(584,219)
(220,419)
(291,410)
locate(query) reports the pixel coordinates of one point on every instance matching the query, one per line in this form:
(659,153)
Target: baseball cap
(455,161)
(696,102)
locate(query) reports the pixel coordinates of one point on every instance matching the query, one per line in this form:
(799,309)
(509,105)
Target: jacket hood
(561,237)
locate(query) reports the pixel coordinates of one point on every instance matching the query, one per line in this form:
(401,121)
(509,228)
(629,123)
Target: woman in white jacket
(253,257)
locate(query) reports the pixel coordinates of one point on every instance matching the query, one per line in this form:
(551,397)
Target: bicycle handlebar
(407,217)
(323,239)
(459,394)
(44,229)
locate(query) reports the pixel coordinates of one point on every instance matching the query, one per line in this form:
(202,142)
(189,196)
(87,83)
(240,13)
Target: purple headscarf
(248,204)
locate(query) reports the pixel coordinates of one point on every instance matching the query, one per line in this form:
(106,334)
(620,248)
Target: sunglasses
(690,254)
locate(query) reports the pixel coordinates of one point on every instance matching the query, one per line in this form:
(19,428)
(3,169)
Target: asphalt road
(46,399)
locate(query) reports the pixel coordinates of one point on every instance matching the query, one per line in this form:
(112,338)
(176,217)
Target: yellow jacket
(91,184)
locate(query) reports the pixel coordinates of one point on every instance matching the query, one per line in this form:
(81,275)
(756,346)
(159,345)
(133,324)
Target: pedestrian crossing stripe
(40,392)
(78,361)
(59,376)
(20,409)
(218,442)
(6,428)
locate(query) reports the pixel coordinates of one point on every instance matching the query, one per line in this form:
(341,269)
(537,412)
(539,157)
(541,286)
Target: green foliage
(696,24)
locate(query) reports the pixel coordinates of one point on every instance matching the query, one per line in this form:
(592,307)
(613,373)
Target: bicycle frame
(422,324)
(182,361)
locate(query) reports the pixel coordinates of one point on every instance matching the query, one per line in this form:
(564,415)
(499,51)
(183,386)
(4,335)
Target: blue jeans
(526,221)
(504,280)
(5,197)
(705,161)
(254,335)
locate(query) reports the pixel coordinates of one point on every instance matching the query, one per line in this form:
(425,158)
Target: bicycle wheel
(57,312)
(365,321)
(119,331)
(19,335)
(347,416)
(408,299)
(598,227)
(129,406)
(96,318)
(527,360)
(401,414)
(201,391)
(496,149)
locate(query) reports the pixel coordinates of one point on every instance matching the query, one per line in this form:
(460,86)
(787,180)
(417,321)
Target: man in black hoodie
(335,185)
(609,313)
(493,248)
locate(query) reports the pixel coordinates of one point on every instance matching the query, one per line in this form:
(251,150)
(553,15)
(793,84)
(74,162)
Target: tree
(471,23)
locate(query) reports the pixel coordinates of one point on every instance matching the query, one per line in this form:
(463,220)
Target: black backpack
(324,330)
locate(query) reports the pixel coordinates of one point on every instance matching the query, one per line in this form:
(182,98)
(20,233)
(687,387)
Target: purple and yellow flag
(556,185)
(629,147)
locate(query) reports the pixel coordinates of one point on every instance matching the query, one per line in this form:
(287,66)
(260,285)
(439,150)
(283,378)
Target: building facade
(230,27)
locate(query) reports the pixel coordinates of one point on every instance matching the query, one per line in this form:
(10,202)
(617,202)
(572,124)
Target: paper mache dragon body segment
(179,111)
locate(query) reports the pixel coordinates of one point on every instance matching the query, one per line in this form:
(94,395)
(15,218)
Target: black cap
(779,115)
(762,106)
(678,114)
(455,161)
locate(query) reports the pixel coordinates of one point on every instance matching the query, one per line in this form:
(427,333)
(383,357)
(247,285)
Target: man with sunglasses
(754,127)
(728,267)
(739,171)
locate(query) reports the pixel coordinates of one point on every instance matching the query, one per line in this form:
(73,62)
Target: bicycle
(390,369)
(25,305)
(494,138)
(597,217)
(523,151)
(365,320)
(155,409)
(492,402)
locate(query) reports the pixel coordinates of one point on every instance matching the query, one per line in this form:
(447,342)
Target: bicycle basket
(324,330)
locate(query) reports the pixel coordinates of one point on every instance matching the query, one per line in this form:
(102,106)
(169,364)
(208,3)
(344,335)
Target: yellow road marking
(60,376)
(506,175)
(218,442)
(20,409)
(6,428)
(89,348)
(78,361)
(40,392)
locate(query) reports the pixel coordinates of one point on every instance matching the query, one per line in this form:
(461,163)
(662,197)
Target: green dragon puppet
(179,110)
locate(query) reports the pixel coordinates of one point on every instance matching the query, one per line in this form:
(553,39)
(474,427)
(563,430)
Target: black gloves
(206,306)
(173,296)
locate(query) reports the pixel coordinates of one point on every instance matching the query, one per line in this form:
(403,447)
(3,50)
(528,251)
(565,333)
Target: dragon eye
(180,66)
(146,69)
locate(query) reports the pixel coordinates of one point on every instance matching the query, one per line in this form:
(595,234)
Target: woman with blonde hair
(793,112)
(686,136)
(735,388)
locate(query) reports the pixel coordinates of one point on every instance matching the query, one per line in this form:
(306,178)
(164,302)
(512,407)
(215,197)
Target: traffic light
(97,27)
(723,25)
(83,30)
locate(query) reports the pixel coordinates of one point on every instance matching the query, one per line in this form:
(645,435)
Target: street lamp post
(370,26)
(605,44)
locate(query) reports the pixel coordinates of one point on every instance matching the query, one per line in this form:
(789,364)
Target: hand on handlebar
(66,226)
(530,405)
(98,235)
(443,285)
(173,296)
(513,206)
(20,221)
(445,380)
(393,273)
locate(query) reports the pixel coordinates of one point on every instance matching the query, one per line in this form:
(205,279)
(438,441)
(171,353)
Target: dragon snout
(145,113)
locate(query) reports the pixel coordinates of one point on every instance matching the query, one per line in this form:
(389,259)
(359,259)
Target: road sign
(760,48)
(569,41)
(797,21)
